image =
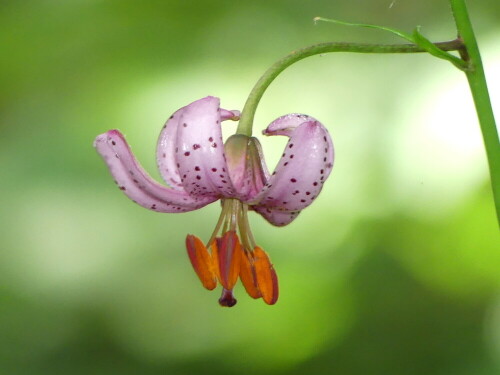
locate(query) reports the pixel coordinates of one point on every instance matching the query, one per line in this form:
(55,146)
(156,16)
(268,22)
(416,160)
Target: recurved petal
(199,150)
(165,152)
(136,183)
(275,216)
(246,165)
(166,146)
(303,168)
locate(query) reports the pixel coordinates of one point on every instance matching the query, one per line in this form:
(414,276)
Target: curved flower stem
(479,90)
(248,113)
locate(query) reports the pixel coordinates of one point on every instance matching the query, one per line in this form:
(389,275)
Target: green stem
(248,113)
(479,90)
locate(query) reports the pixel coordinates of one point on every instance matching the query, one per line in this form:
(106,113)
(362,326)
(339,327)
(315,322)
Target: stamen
(227,299)
(226,206)
(229,254)
(248,276)
(215,258)
(246,227)
(267,280)
(201,261)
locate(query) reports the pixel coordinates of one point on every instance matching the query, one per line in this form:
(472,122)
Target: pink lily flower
(200,169)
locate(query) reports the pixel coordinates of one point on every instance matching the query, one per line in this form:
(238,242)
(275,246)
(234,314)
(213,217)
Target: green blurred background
(395,269)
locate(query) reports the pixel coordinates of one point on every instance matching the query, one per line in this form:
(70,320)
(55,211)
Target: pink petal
(165,151)
(275,216)
(200,150)
(305,165)
(136,183)
(246,165)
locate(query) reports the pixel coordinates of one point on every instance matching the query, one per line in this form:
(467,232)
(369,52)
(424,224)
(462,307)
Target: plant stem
(248,113)
(479,90)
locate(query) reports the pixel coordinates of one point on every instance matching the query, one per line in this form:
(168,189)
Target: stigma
(231,254)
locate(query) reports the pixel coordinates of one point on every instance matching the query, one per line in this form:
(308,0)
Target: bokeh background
(394,270)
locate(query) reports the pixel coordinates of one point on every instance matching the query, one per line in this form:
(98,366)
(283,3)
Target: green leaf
(431,48)
(399,33)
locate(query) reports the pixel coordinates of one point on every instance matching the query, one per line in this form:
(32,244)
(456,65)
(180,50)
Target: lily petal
(200,152)
(165,150)
(276,217)
(134,181)
(299,176)
(246,166)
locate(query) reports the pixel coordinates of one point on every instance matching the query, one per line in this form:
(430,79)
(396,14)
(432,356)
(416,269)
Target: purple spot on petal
(214,145)
(196,168)
(113,143)
(122,188)
(214,169)
(196,146)
(185,125)
(293,180)
(198,177)
(186,153)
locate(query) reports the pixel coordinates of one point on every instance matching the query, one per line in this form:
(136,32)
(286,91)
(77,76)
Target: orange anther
(201,261)
(267,280)
(248,277)
(229,254)
(215,257)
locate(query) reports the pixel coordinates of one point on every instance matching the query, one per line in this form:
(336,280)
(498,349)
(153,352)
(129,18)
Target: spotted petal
(199,150)
(246,166)
(303,168)
(166,146)
(136,183)
(165,152)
